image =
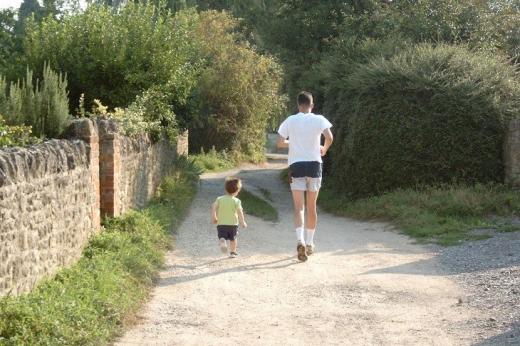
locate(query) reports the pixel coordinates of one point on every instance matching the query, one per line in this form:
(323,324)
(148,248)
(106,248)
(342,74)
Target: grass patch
(266,194)
(214,161)
(89,302)
(258,207)
(444,215)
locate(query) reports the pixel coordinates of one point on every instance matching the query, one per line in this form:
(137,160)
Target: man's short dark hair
(233,185)
(304,98)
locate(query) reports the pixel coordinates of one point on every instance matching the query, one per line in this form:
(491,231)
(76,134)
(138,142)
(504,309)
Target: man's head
(233,185)
(305,102)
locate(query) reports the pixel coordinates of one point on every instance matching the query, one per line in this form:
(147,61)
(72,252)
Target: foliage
(41,105)
(257,206)
(28,9)
(134,119)
(11,136)
(214,161)
(237,92)
(114,56)
(426,115)
(87,303)
(445,214)
(11,58)
(299,32)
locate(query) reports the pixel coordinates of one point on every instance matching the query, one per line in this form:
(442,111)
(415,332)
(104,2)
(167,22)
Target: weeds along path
(366,285)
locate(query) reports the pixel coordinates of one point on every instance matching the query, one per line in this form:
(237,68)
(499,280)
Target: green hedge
(87,303)
(426,115)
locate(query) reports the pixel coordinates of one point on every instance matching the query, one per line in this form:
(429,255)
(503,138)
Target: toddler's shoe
(300,249)
(223,245)
(309,249)
(233,254)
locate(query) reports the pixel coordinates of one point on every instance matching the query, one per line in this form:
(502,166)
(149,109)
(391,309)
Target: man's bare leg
(312,220)
(299,212)
(299,201)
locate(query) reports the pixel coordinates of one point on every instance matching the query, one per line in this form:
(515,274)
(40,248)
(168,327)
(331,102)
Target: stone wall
(131,168)
(47,198)
(52,195)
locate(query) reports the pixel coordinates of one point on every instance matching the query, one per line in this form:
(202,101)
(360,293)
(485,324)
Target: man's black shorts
(228,232)
(309,169)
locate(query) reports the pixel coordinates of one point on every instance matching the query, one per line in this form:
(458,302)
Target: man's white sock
(310,236)
(299,235)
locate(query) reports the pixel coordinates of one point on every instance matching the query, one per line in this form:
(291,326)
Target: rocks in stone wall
(143,165)
(51,194)
(46,205)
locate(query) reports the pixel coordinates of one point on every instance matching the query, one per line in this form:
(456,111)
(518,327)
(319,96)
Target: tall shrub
(43,105)
(426,115)
(237,91)
(115,55)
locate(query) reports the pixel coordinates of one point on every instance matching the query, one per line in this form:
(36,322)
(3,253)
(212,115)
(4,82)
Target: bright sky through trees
(10,3)
(16,3)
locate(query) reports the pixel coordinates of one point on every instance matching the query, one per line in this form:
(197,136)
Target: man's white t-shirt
(304,132)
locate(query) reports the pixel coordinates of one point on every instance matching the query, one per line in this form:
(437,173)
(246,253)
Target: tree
(12,63)
(28,8)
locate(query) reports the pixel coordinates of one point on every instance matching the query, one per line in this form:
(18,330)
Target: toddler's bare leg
(233,245)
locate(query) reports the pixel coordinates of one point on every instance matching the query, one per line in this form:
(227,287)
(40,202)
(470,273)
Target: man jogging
(302,133)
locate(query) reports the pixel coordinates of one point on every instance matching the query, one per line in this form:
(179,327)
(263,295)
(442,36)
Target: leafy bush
(115,55)
(427,115)
(214,161)
(134,119)
(87,303)
(15,135)
(237,92)
(41,105)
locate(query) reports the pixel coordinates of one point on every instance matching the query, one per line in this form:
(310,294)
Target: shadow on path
(287,262)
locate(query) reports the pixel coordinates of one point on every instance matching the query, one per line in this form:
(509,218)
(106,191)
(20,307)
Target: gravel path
(489,270)
(366,285)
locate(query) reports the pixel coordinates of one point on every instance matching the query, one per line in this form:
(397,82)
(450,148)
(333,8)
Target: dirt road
(366,285)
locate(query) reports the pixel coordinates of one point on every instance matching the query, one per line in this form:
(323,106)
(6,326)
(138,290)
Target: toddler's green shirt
(227,210)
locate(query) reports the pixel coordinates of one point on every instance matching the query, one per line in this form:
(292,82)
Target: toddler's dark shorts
(228,232)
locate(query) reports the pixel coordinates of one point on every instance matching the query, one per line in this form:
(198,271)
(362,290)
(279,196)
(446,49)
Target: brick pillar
(86,130)
(109,168)
(182,144)
(512,153)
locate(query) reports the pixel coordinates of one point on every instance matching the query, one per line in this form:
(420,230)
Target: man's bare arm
(328,141)
(282,142)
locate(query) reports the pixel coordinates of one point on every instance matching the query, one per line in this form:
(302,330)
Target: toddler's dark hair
(233,185)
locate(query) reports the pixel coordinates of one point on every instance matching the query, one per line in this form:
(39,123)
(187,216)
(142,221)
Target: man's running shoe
(300,249)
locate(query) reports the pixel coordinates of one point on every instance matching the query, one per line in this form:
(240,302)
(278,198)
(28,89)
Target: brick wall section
(512,153)
(182,144)
(87,131)
(109,167)
(52,195)
(131,168)
(46,209)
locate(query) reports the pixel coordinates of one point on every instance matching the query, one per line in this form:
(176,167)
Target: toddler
(226,213)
